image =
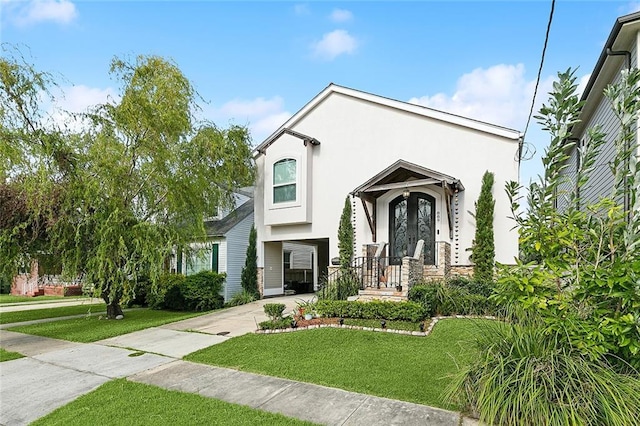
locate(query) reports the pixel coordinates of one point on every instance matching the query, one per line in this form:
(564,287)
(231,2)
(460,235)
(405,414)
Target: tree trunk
(113,308)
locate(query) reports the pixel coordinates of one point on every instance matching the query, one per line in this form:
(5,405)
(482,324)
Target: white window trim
(299,182)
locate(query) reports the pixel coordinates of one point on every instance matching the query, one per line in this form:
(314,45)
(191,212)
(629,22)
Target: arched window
(284,181)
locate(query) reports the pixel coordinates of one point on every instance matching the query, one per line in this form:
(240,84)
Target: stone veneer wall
(462,271)
(444,254)
(260,276)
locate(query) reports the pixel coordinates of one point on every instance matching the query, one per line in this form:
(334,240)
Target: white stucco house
(411,173)
(619,53)
(226,247)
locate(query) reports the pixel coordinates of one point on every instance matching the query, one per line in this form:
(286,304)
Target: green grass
(409,368)
(62,311)
(10,298)
(8,356)
(120,402)
(91,329)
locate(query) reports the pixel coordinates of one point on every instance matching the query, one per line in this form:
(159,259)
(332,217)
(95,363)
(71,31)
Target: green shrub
(274,324)
(483,246)
(140,291)
(455,297)
(402,311)
(242,298)
(426,295)
(198,292)
(166,294)
(345,285)
(458,301)
(249,275)
(473,286)
(274,310)
(5,284)
(524,376)
(201,291)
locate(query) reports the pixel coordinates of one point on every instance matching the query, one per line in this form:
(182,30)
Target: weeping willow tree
(117,196)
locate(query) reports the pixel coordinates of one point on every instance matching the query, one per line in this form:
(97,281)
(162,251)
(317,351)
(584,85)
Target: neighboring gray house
(226,246)
(620,52)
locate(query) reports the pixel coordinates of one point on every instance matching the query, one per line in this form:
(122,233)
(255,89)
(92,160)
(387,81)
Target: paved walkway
(55,372)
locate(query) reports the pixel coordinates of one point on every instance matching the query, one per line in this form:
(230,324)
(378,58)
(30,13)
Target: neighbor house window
(203,260)
(287,260)
(284,181)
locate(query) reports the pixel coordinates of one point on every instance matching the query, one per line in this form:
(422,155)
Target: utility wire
(544,50)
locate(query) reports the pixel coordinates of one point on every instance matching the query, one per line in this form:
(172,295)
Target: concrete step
(391,294)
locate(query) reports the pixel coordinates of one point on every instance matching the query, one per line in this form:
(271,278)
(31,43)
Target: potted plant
(306,309)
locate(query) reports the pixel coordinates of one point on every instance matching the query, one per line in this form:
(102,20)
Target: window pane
(199,261)
(284,193)
(284,171)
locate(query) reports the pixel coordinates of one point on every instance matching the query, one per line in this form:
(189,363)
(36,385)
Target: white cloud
(582,83)
(499,94)
(334,44)
(76,99)
(341,15)
(37,11)
(262,116)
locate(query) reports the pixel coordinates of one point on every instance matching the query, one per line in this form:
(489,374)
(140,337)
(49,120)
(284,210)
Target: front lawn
(120,402)
(93,328)
(8,356)
(61,311)
(409,368)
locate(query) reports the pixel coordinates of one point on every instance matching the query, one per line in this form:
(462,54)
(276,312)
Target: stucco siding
(363,139)
(235,255)
(273,271)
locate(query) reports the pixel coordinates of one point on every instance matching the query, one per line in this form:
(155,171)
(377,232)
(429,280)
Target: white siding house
(619,53)
(410,173)
(226,247)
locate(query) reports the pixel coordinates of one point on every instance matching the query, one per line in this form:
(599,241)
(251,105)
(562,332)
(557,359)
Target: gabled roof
(613,53)
(403,174)
(218,228)
(390,103)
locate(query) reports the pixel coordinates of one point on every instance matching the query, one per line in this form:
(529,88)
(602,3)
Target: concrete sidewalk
(29,306)
(56,372)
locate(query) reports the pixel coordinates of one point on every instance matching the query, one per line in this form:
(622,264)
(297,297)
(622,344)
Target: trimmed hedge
(276,324)
(401,311)
(198,292)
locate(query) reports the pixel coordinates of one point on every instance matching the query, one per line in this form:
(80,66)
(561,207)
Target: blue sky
(257,63)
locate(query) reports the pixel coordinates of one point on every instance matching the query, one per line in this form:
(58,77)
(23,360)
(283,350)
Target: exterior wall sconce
(405,193)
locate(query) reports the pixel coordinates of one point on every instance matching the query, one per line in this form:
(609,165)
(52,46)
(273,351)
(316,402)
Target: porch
(376,276)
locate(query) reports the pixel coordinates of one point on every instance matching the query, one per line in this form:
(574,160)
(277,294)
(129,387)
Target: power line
(544,50)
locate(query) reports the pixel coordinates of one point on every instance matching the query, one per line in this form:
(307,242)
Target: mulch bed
(316,321)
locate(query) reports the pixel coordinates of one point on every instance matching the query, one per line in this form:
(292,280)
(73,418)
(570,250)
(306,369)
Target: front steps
(386,294)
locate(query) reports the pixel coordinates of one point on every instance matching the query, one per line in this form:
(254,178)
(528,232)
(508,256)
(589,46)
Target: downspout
(627,147)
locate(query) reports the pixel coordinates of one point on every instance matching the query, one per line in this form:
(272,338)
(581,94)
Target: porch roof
(405,175)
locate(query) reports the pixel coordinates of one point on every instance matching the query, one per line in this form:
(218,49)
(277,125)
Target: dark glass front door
(410,220)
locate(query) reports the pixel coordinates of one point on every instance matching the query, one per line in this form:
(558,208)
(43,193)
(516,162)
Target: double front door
(412,219)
